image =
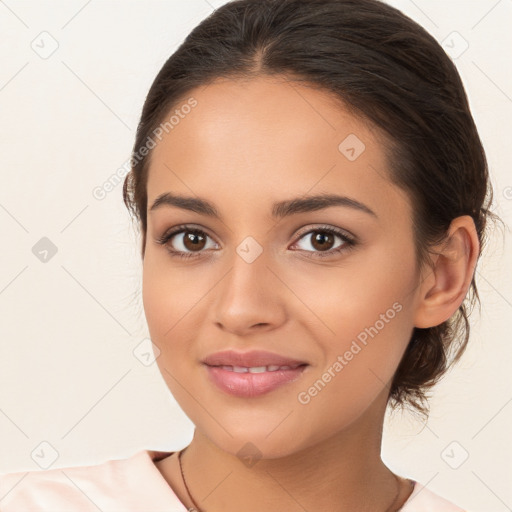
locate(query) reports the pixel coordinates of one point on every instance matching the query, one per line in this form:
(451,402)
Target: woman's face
(267,277)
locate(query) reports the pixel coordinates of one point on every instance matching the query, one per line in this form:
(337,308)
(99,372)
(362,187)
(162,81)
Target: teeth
(255,369)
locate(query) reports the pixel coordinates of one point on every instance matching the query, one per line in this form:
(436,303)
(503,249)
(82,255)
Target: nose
(250,297)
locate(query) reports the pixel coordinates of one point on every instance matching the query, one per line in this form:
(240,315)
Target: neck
(343,472)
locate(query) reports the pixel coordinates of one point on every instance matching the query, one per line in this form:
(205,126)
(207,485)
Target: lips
(253,373)
(251,359)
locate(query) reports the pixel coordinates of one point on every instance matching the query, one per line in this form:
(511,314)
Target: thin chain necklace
(196,508)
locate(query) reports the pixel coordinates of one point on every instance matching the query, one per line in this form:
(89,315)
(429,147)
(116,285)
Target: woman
(312,196)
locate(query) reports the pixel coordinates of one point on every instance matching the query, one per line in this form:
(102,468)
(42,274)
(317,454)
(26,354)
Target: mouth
(253,381)
(257,369)
(252,359)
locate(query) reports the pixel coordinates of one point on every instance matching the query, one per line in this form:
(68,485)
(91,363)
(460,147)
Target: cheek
(368,289)
(367,317)
(164,297)
(358,365)
(174,298)
(168,301)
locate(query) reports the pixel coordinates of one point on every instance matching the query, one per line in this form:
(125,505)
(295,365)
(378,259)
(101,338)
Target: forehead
(265,139)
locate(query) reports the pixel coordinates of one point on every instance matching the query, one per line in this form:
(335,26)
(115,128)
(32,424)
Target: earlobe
(444,289)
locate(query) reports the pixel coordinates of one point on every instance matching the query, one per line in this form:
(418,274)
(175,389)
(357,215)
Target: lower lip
(248,385)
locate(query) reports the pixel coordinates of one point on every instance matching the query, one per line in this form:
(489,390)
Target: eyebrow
(280,209)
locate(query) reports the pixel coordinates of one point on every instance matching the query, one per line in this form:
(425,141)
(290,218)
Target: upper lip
(250,359)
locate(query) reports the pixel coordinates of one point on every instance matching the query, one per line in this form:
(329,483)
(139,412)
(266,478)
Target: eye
(188,242)
(185,241)
(321,241)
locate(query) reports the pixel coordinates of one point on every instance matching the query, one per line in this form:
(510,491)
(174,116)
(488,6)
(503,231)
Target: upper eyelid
(178,230)
(339,231)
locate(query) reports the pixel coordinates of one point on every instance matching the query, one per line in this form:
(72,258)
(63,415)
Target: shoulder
(423,499)
(129,484)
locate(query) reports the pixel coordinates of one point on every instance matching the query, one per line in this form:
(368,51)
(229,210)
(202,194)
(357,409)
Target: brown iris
(193,240)
(321,240)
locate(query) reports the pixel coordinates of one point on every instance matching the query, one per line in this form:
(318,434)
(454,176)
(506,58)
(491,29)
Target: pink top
(133,484)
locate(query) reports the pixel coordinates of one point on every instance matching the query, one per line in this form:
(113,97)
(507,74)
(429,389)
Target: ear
(445,285)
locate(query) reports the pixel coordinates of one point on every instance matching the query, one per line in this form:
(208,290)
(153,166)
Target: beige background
(74,383)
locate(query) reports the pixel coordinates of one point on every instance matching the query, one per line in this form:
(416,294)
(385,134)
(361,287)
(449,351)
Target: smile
(256,369)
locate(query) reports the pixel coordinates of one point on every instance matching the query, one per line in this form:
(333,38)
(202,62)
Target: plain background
(74,381)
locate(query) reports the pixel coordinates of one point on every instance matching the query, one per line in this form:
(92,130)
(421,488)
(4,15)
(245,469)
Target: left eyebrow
(318,202)
(280,209)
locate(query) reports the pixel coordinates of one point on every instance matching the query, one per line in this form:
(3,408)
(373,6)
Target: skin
(244,146)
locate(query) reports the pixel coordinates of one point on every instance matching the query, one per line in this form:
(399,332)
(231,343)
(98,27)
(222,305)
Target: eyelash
(349,242)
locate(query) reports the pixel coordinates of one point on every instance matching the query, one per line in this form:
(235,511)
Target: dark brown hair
(388,71)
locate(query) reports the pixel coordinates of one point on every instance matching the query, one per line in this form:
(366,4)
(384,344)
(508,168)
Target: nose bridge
(249,294)
(248,280)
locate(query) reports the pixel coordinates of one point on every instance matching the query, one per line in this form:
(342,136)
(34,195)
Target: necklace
(191,509)
(195,508)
